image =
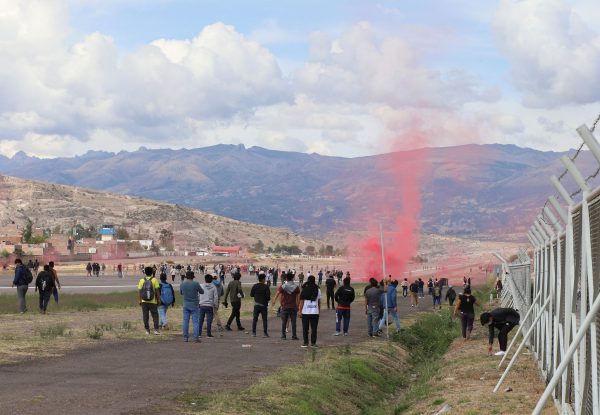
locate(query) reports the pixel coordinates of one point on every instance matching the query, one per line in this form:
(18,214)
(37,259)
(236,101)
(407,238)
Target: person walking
(190,291)
(310,306)
(330,284)
(421,284)
(288,294)
(167,299)
(235,294)
(465,305)
(503,319)
(344,296)
(392,307)
(262,295)
(149,298)
(207,302)
(44,284)
(436,292)
(21,280)
(218,283)
(414,294)
(56,280)
(450,295)
(405,287)
(372,306)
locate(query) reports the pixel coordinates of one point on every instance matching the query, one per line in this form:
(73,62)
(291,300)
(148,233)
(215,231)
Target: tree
(258,247)
(310,250)
(166,238)
(56,230)
(322,250)
(294,250)
(4,254)
(329,250)
(121,233)
(27,231)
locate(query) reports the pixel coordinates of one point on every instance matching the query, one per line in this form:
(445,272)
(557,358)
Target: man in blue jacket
(392,307)
(20,281)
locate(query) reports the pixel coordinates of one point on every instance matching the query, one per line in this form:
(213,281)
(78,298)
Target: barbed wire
(564,173)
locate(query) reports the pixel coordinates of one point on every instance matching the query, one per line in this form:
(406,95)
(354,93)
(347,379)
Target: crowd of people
(201,301)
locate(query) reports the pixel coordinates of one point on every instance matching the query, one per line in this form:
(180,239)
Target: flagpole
(385,314)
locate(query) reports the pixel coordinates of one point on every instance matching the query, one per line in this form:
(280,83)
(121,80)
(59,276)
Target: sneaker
(147,332)
(185,339)
(295,338)
(227,328)
(210,336)
(240,328)
(345,334)
(197,340)
(314,346)
(337,333)
(283,337)
(156,333)
(253,334)
(500,353)
(266,335)
(304,346)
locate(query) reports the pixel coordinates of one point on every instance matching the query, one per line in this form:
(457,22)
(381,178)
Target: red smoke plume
(397,206)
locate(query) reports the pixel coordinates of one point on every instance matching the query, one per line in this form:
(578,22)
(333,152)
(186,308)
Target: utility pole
(387,327)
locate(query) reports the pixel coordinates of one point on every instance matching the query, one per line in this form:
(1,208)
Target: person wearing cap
(503,319)
(190,290)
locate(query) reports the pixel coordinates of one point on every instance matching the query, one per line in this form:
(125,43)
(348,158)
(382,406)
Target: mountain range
(483,191)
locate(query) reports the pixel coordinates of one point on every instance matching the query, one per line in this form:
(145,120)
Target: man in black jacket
(343,297)
(262,295)
(503,319)
(330,284)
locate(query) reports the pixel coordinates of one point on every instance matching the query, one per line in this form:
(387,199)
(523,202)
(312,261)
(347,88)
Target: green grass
(72,302)
(53,332)
(347,380)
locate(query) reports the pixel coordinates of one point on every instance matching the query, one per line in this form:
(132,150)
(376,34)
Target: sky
(338,77)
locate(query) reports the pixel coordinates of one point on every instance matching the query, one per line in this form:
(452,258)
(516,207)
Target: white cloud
(555,56)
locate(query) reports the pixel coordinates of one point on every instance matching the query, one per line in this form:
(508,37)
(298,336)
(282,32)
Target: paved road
(141,376)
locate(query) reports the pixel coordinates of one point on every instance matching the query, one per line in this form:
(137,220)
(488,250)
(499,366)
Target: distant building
(108,233)
(226,250)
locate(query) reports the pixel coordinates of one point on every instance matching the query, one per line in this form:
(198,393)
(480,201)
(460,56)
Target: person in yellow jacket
(149,298)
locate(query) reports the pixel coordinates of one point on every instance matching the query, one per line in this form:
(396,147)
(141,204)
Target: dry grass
(469,375)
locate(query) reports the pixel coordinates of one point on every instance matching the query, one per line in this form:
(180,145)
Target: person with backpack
(235,294)
(288,293)
(207,302)
(344,296)
(262,295)
(330,285)
(190,291)
(149,298)
(310,306)
(23,277)
(436,292)
(392,307)
(167,299)
(450,295)
(466,303)
(44,285)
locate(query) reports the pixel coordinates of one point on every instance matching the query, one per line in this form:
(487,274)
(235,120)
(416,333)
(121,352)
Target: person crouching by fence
(465,305)
(503,319)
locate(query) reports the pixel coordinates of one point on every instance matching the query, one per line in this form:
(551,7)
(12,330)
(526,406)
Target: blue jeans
(372,320)
(394,315)
(187,312)
(208,312)
(339,315)
(162,315)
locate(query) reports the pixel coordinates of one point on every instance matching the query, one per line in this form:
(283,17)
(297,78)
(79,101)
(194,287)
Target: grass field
(71,302)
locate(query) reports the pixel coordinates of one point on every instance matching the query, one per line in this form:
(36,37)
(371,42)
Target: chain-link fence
(560,297)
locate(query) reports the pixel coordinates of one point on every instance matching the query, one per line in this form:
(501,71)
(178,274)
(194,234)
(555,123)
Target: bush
(53,332)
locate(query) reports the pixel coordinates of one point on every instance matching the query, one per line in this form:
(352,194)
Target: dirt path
(134,377)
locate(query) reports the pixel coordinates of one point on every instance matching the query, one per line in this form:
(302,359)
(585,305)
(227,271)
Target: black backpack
(148,289)
(27,275)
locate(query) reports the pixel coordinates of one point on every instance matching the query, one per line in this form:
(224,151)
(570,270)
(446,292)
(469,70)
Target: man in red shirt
(288,293)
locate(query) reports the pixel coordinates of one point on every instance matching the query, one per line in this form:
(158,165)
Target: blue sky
(336,77)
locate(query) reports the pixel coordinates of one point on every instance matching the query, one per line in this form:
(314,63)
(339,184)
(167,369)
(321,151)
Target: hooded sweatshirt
(344,296)
(210,297)
(289,295)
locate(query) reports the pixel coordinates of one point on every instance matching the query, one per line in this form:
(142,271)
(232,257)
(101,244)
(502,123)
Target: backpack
(45,281)
(166,294)
(147,289)
(27,275)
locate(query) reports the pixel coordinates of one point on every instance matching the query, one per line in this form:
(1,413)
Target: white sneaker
(156,333)
(337,333)
(500,353)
